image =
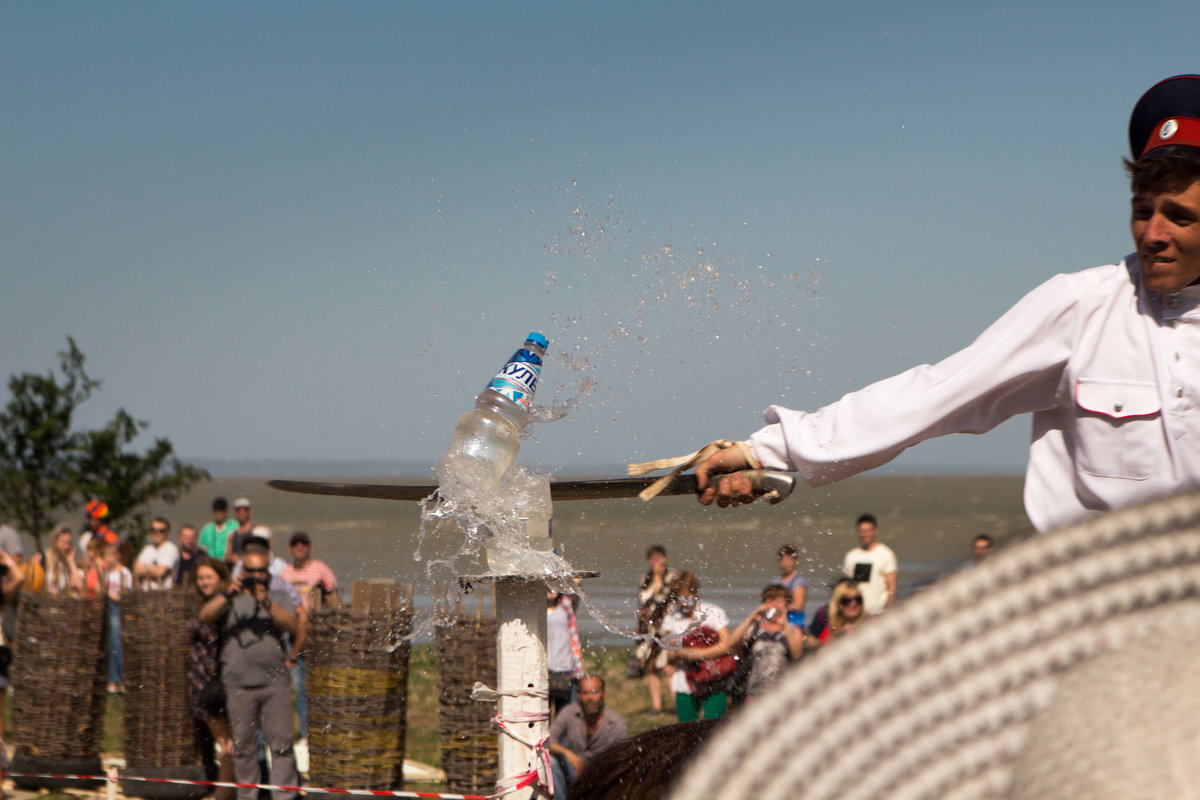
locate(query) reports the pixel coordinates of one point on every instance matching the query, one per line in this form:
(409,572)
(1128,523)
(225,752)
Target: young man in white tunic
(1106,360)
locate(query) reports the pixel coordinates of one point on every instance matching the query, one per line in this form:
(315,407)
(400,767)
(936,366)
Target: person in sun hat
(1107,361)
(236,540)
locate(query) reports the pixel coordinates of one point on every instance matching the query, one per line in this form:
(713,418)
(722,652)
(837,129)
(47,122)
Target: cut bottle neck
(491,400)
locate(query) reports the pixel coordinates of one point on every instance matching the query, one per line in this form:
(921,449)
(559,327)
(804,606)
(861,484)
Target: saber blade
(604,489)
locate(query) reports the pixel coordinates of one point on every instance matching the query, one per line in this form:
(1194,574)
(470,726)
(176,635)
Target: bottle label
(518,380)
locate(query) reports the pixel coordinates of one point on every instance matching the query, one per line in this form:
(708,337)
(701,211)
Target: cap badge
(1168,129)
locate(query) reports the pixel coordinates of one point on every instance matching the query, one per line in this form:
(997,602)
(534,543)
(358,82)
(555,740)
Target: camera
(250,581)
(770,614)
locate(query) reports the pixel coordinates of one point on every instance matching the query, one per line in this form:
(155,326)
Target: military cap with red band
(1168,115)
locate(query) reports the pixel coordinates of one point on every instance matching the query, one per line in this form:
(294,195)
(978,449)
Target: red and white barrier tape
(541,774)
(268,786)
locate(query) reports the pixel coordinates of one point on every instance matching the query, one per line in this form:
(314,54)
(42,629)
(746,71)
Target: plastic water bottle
(485,443)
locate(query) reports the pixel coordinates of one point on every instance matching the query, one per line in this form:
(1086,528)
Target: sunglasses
(850,598)
(253,571)
(159,530)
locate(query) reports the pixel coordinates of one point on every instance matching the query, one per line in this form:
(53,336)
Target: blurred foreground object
(1060,667)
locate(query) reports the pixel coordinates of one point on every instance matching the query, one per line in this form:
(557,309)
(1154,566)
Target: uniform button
(1179,392)
(1173,301)
(1174,323)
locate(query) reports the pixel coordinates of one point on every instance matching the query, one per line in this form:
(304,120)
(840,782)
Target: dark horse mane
(644,766)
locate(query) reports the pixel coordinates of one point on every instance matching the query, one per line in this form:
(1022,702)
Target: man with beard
(580,731)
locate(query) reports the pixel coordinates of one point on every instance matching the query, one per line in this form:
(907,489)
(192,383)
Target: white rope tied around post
(941,697)
(681,464)
(541,774)
(485,694)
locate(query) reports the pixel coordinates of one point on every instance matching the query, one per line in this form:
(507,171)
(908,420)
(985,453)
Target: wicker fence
(160,733)
(358,689)
(466,653)
(58,680)
(158,724)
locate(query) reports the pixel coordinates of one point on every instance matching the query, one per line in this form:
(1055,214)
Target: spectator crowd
(247,677)
(687,645)
(248,670)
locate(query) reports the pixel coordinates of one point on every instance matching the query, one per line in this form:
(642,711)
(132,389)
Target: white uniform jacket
(1109,371)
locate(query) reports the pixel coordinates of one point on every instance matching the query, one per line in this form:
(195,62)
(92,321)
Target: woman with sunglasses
(846,610)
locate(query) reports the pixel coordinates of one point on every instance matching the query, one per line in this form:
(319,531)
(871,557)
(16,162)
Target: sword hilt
(774,486)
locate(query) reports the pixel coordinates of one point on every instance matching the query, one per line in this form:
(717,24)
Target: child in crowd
(117,580)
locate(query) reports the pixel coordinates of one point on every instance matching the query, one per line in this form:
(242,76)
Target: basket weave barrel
(58,678)
(358,692)
(160,734)
(466,653)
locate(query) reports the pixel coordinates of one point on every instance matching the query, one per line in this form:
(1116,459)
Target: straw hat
(1060,667)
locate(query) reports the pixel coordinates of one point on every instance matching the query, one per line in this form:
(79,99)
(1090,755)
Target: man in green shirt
(215,535)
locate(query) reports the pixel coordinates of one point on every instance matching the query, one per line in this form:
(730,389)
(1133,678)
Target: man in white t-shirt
(156,564)
(873,566)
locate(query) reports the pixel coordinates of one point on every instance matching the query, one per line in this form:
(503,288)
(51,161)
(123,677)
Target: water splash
(494,522)
(622,299)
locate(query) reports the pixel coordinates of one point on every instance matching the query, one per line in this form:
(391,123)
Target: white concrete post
(521,666)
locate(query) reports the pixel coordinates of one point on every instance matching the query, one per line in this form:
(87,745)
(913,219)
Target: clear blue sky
(316,229)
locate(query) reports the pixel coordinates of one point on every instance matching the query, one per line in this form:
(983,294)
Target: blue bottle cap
(538,339)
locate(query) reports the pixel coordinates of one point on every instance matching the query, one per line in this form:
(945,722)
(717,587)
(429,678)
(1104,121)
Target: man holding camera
(254,671)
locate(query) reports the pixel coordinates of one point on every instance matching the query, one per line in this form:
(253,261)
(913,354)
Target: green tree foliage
(128,481)
(46,467)
(37,446)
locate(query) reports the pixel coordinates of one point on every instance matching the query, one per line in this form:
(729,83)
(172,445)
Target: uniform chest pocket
(1118,427)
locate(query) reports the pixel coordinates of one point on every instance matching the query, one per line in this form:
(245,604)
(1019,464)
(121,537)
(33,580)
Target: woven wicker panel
(159,730)
(59,677)
(358,697)
(979,687)
(466,653)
